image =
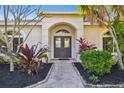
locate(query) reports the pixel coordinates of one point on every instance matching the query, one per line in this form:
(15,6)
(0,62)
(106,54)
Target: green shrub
(1,60)
(6,60)
(93,79)
(2,43)
(98,62)
(16,61)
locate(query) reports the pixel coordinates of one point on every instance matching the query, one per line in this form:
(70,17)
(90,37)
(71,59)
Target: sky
(47,7)
(59,7)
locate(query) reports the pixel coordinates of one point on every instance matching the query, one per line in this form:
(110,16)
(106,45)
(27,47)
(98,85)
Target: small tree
(20,16)
(32,58)
(119,28)
(105,15)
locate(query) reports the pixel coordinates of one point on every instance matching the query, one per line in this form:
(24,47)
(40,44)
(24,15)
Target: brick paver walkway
(63,76)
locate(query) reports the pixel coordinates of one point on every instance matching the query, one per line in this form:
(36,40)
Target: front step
(62,60)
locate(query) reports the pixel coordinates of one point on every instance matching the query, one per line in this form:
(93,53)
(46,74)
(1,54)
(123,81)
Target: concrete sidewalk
(62,76)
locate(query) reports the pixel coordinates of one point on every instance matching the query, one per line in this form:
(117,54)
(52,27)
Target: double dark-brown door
(62,47)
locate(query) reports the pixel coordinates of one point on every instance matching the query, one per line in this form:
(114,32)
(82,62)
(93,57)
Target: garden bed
(113,79)
(18,79)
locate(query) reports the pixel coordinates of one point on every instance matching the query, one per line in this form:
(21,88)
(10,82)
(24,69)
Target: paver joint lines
(63,76)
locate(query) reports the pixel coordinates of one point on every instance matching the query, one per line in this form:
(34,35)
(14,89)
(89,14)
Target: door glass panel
(66,42)
(58,43)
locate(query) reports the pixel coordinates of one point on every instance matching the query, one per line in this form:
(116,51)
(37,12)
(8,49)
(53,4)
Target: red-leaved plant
(32,58)
(84,45)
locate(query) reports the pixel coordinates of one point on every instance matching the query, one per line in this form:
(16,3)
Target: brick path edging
(43,81)
(87,85)
(104,86)
(82,80)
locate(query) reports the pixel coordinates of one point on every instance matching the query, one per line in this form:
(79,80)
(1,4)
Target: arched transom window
(62,32)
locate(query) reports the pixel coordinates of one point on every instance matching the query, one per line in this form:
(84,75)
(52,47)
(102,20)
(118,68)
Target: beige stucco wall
(93,34)
(35,35)
(33,38)
(45,32)
(61,22)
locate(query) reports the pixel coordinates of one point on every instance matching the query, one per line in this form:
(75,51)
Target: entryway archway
(62,41)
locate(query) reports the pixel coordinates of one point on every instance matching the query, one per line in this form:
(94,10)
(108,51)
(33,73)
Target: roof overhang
(60,12)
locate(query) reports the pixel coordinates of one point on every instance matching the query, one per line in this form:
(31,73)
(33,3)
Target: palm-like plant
(84,45)
(32,58)
(119,28)
(105,15)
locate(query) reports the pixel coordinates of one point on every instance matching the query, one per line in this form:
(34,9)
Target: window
(58,42)
(62,32)
(16,43)
(108,43)
(16,40)
(66,42)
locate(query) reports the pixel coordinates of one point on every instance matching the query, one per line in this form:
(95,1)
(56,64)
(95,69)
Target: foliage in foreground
(119,28)
(94,79)
(32,58)
(84,45)
(1,60)
(98,62)
(105,15)
(5,60)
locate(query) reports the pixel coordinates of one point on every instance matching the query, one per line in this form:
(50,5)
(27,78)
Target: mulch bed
(18,79)
(115,77)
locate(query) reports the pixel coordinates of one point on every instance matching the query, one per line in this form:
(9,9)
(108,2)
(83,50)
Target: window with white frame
(16,42)
(18,39)
(108,43)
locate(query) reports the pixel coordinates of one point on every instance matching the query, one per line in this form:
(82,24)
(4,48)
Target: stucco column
(45,39)
(79,34)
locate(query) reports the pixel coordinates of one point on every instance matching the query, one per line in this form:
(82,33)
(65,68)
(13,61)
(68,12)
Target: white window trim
(13,38)
(104,36)
(16,36)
